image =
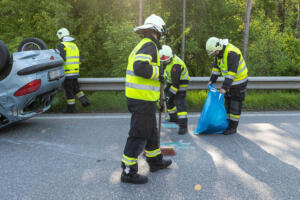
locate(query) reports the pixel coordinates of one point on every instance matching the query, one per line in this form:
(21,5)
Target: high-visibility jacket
(72,61)
(137,87)
(184,76)
(238,77)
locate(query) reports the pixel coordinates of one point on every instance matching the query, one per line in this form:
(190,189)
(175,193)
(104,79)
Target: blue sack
(213,118)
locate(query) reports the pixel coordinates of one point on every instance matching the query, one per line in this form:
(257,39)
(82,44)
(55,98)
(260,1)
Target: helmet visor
(211,53)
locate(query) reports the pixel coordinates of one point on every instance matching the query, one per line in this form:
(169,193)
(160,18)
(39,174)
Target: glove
(170,97)
(160,106)
(161,76)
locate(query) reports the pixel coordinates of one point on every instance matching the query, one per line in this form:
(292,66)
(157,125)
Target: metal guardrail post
(197,83)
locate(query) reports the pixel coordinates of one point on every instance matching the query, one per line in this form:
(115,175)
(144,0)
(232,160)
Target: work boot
(158,163)
(84,101)
(182,130)
(130,175)
(232,128)
(70,109)
(133,178)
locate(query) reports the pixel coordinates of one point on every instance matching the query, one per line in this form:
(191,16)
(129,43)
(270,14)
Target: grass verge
(256,100)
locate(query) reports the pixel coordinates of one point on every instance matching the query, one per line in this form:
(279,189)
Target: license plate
(54,74)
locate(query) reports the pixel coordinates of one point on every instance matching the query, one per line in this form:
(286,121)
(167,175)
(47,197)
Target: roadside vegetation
(256,100)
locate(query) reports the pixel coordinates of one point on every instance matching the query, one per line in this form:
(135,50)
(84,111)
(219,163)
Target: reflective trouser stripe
(173,89)
(70,101)
(128,160)
(234,117)
(153,153)
(79,94)
(183,87)
(172,110)
(182,115)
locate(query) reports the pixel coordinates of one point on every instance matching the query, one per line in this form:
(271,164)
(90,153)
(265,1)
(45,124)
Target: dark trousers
(234,102)
(143,132)
(71,88)
(179,102)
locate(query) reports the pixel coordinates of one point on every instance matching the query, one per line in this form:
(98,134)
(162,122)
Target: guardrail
(197,83)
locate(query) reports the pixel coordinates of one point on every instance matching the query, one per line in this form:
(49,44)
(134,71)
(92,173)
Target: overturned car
(29,80)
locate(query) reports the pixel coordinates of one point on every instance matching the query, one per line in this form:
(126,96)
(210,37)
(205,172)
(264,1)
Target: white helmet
(152,22)
(62,33)
(214,44)
(165,53)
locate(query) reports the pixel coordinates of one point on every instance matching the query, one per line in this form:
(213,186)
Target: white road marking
(127,116)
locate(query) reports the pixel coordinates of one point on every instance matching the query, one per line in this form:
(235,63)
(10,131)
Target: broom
(165,150)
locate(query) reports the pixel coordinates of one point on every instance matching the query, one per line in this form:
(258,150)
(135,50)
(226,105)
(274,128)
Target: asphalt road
(62,157)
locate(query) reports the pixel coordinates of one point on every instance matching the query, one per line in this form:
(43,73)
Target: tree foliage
(104,31)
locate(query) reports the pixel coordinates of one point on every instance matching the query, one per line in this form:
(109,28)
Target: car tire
(30,44)
(4,56)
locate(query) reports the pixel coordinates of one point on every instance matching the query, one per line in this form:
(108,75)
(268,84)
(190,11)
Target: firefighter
(70,53)
(142,90)
(177,83)
(229,63)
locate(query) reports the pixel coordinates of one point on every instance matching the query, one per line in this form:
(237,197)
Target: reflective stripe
(182,115)
(173,90)
(72,57)
(172,110)
(241,70)
(131,73)
(182,89)
(241,62)
(240,81)
(71,101)
(143,58)
(71,63)
(234,117)
(128,160)
(153,153)
(71,74)
(224,71)
(142,87)
(80,94)
(186,77)
(230,77)
(155,73)
(216,73)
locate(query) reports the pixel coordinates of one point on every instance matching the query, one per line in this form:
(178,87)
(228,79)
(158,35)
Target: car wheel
(4,56)
(30,44)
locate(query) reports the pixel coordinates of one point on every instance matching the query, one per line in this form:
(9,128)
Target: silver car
(29,80)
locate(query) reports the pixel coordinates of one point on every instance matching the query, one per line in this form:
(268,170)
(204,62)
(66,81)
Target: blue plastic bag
(213,118)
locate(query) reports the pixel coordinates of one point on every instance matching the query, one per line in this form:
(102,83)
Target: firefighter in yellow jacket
(177,83)
(142,88)
(70,53)
(229,63)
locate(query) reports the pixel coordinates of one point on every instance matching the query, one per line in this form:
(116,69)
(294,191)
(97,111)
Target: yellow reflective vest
(137,87)
(241,75)
(72,62)
(184,73)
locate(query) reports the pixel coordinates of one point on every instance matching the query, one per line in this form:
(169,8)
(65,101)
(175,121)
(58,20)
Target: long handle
(161,103)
